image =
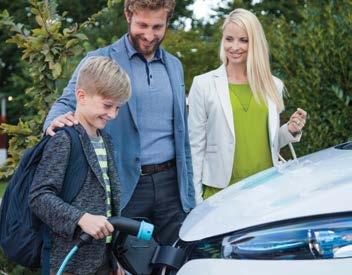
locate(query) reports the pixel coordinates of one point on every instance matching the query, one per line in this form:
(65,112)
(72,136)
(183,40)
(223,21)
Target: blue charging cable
(141,229)
(67,259)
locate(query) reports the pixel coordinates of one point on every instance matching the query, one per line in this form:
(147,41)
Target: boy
(102,87)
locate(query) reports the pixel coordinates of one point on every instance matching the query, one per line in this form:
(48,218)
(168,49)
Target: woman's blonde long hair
(258,67)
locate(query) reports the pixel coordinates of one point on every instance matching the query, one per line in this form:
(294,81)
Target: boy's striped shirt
(100,151)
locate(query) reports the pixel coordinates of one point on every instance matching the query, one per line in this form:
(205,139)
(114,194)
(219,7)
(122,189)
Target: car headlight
(308,238)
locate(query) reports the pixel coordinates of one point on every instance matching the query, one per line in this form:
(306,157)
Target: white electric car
(295,219)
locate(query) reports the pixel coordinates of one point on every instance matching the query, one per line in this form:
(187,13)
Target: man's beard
(138,39)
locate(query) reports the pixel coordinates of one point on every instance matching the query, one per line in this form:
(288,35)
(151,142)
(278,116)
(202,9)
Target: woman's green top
(252,147)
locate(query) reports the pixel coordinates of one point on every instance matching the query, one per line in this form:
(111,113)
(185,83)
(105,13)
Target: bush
(313,59)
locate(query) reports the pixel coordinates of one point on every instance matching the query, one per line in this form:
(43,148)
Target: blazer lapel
(177,96)
(222,91)
(91,155)
(120,55)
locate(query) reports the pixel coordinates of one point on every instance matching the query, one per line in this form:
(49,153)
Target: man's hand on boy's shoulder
(67,119)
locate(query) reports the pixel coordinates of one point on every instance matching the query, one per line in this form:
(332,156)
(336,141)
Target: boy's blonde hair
(103,76)
(258,67)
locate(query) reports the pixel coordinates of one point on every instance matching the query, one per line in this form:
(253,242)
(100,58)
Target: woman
(234,110)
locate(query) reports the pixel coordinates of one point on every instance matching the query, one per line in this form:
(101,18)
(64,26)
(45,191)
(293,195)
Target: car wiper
(344,146)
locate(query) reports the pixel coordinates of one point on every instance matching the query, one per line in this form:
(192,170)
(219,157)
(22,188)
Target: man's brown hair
(134,5)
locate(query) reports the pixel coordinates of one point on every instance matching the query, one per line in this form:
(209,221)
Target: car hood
(319,183)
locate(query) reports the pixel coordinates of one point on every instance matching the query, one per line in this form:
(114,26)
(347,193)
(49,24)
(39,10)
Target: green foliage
(13,79)
(14,76)
(80,10)
(197,52)
(105,26)
(46,50)
(272,8)
(313,59)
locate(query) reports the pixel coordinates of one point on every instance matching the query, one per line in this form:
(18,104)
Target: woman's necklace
(244,105)
(239,79)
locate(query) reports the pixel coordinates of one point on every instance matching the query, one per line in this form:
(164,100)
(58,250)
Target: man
(150,134)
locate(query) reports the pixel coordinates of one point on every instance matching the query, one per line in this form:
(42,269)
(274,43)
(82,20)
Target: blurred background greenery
(310,43)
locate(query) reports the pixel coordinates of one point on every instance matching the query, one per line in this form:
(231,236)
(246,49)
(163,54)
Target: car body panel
(251,267)
(320,183)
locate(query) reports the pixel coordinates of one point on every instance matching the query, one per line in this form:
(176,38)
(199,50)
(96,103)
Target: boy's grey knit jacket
(61,217)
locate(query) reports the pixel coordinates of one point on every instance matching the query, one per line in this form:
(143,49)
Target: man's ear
(128,16)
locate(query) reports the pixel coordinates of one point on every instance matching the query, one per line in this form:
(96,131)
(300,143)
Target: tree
(313,59)
(13,78)
(273,8)
(14,75)
(197,51)
(47,48)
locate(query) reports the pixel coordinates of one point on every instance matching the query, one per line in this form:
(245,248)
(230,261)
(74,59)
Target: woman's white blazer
(212,134)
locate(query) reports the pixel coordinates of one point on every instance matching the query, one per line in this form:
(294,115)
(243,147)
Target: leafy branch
(46,49)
